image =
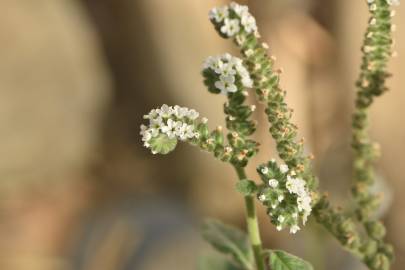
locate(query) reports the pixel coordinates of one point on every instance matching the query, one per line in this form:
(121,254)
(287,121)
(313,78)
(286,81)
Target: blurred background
(77,189)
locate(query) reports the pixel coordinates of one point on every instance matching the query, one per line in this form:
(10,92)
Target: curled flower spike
(225,74)
(167,125)
(286,197)
(233,19)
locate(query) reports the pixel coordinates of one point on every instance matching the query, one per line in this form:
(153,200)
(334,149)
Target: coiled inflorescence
(266,82)
(225,74)
(285,195)
(167,125)
(233,19)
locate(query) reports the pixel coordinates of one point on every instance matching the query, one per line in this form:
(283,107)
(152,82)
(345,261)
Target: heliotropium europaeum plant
(288,189)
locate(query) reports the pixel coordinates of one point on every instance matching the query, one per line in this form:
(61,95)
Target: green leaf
(162,144)
(281,260)
(246,187)
(215,262)
(229,240)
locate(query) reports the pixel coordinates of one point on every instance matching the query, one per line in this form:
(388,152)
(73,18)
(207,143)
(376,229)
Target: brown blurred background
(77,189)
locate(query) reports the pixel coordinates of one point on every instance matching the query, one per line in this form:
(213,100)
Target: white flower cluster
(174,122)
(389,2)
(233,18)
(227,73)
(286,196)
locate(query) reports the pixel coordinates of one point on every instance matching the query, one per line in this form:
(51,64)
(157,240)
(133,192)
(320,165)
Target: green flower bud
(375,229)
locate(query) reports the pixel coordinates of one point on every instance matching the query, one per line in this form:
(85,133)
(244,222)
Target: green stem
(252,224)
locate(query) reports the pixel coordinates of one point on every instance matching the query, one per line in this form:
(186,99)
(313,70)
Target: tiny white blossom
(218,14)
(230,27)
(264,170)
(165,111)
(180,112)
(295,185)
(294,229)
(170,128)
(281,218)
(262,197)
(239,9)
(249,23)
(284,168)
(304,203)
(229,71)
(193,114)
(279,228)
(226,84)
(273,183)
(280,198)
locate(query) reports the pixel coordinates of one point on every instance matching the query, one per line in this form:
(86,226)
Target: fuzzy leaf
(162,144)
(229,240)
(281,260)
(246,187)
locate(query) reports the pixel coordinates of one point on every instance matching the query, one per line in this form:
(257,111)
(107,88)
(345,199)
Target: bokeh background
(77,189)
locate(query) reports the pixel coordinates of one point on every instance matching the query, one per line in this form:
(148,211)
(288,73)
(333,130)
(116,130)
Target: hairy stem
(252,224)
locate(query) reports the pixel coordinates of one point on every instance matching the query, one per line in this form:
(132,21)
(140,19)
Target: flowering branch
(289,191)
(235,22)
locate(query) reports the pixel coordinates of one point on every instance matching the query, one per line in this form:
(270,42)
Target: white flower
(304,203)
(281,218)
(249,23)
(209,62)
(262,197)
(283,168)
(279,228)
(193,114)
(273,183)
(146,136)
(239,9)
(226,84)
(295,185)
(218,14)
(151,115)
(218,66)
(227,70)
(280,198)
(294,229)
(247,82)
(165,111)
(230,27)
(170,128)
(393,2)
(264,170)
(231,72)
